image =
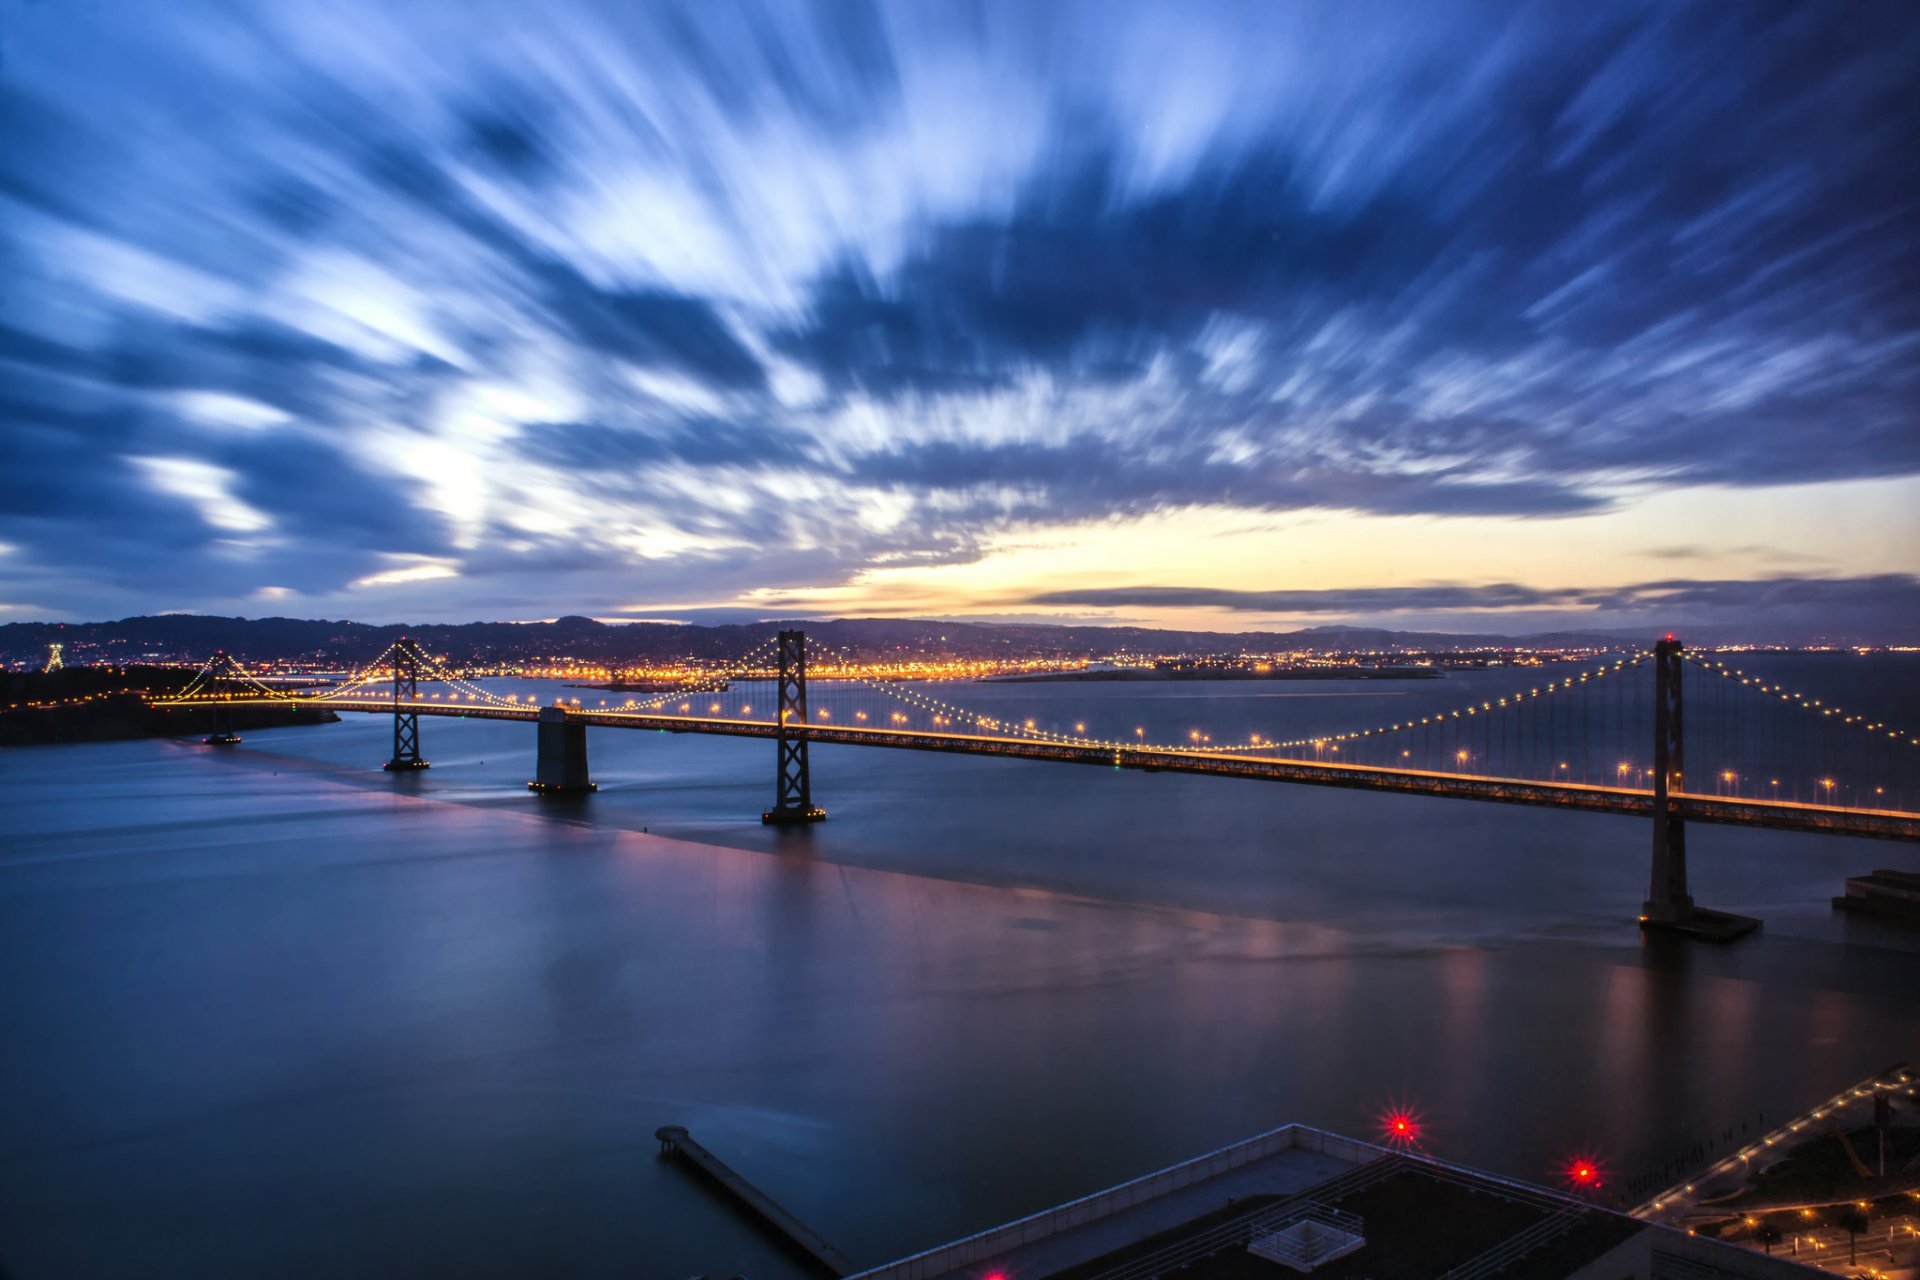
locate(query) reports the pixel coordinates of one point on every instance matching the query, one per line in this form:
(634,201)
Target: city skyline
(1463,318)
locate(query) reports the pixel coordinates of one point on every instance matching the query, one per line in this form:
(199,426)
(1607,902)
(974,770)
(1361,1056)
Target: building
(1298,1200)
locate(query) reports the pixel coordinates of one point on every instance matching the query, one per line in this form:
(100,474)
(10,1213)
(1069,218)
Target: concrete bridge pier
(562,765)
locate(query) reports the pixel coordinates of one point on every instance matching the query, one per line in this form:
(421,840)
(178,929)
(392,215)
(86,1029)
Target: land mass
(107,704)
(192,637)
(1214,672)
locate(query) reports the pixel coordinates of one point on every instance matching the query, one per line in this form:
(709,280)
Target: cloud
(1095,478)
(1360,600)
(1883,604)
(416,571)
(645,303)
(697,441)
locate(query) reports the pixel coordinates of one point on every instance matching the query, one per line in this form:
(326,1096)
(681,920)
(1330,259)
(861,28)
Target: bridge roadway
(1885,824)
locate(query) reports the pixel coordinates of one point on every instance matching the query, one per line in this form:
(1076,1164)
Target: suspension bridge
(1614,739)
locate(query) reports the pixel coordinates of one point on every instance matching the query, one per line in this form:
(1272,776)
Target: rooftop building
(1300,1201)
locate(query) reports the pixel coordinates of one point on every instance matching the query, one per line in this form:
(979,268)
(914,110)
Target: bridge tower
(223,734)
(53,658)
(792,788)
(1669,903)
(406,723)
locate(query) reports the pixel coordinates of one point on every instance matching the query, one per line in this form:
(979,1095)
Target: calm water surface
(271,1011)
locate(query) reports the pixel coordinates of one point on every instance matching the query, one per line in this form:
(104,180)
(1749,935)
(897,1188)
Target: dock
(676,1141)
(1884,893)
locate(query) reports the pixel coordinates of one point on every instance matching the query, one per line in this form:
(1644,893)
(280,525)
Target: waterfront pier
(675,1141)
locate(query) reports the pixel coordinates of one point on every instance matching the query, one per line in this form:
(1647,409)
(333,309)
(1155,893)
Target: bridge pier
(675,1141)
(1669,903)
(792,785)
(223,734)
(406,723)
(562,765)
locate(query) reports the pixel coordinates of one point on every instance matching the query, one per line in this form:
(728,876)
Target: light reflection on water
(275,1011)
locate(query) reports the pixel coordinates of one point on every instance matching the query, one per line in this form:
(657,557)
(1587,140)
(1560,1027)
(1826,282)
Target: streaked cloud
(601,307)
(1861,604)
(420,571)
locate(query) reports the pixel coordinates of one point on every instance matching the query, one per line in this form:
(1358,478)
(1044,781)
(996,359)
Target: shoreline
(127,717)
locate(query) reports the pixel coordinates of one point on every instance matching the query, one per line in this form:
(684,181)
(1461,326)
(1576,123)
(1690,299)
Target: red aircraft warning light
(1584,1173)
(1401,1127)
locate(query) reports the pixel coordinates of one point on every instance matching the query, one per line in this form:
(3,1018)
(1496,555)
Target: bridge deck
(1885,824)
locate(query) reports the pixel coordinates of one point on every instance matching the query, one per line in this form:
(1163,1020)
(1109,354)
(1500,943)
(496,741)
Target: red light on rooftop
(1401,1127)
(1583,1172)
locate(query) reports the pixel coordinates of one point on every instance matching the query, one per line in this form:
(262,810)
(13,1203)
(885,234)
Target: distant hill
(177,636)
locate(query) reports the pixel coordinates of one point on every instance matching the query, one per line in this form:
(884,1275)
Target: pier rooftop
(1298,1200)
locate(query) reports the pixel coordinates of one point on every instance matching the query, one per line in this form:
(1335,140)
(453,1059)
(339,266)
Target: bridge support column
(223,734)
(792,787)
(1669,903)
(406,722)
(562,765)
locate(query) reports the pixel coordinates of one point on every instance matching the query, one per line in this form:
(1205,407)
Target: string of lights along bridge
(1659,734)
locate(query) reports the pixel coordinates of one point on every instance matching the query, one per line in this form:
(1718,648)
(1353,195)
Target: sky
(1437,315)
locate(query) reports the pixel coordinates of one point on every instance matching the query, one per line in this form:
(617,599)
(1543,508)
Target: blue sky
(1207,315)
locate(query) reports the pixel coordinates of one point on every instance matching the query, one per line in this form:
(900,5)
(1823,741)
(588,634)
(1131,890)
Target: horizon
(1207,318)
